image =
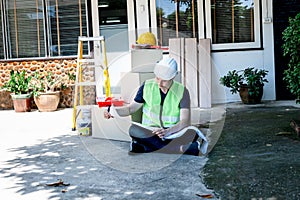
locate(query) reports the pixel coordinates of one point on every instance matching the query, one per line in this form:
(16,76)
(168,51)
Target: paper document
(204,144)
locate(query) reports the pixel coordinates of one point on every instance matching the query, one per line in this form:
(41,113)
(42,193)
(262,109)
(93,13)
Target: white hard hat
(166,69)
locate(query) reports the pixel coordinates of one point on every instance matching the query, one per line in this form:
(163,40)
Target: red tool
(109,101)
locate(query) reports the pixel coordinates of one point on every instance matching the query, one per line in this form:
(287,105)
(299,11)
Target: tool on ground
(83,65)
(98,61)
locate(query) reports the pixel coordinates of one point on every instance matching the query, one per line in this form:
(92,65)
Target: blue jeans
(153,143)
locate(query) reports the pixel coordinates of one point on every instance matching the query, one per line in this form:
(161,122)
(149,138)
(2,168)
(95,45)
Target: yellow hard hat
(147,38)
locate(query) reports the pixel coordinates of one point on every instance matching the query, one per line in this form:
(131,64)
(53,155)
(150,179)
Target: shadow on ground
(257,155)
(68,159)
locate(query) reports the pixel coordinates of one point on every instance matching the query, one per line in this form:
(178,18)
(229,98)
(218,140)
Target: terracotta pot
(47,102)
(21,102)
(247,99)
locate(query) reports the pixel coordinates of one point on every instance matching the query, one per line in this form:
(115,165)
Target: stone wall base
(61,67)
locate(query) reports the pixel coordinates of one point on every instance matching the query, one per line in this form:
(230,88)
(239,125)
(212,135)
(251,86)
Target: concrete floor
(38,148)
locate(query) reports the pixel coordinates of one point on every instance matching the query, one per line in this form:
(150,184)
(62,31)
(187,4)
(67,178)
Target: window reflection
(113,22)
(176,19)
(1,34)
(41,28)
(66,22)
(24,26)
(232,21)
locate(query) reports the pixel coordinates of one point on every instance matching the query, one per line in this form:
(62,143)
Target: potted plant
(46,90)
(18,85)
(248,82)
(291,49)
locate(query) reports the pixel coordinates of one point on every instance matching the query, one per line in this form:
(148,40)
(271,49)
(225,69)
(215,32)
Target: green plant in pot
(46,90)
(291,49)
(248,82)
(19,86)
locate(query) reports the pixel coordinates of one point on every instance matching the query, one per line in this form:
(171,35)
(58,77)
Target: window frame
(2,38)
(236,46)
(8,55)
(197,24)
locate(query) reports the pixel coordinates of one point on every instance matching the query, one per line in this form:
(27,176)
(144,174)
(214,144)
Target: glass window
(176,19)
(235,22)
(25,32)
(66,21)
(42,28)
(1,34)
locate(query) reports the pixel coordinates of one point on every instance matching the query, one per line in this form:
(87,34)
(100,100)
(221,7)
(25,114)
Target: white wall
(222,62)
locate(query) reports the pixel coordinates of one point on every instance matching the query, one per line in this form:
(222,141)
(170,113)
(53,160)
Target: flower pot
(248,99)
(47,102)
(21,102)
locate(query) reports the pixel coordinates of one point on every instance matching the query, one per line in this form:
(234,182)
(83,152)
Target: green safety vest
(170,108)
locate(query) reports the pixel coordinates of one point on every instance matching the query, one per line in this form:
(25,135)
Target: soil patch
(256,156)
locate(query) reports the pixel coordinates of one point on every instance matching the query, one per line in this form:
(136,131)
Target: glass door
(113,24)
(110,19)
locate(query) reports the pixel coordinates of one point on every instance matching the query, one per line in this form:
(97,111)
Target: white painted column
(142,13)
(97,46)
(205,74)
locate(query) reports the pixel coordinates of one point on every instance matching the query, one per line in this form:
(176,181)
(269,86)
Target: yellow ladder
(84,64)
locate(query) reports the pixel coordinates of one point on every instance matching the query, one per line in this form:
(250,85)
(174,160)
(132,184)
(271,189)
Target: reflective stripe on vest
(151,108)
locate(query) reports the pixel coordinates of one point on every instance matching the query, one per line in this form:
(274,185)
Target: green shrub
(18,83)
(291,49)
(253,78)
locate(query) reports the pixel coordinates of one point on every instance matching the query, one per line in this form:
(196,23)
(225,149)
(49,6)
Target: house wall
(263,58)
(223,61)
(60,67)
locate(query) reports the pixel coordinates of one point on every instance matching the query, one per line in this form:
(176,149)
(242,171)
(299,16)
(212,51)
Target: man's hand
(161,133)
(107,115)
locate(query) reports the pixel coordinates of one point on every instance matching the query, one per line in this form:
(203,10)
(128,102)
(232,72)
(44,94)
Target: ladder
(98,62)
